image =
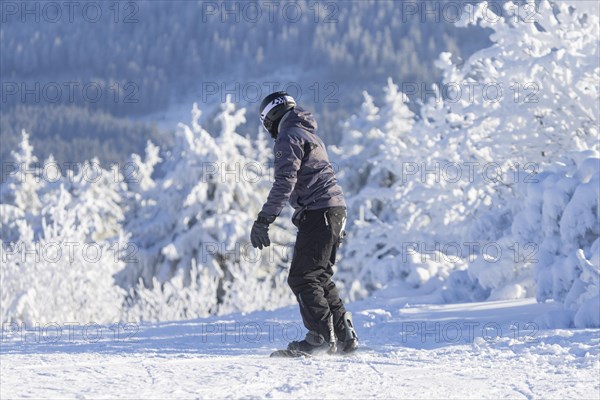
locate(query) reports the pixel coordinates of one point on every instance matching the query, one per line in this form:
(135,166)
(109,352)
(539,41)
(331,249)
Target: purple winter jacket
(303,173)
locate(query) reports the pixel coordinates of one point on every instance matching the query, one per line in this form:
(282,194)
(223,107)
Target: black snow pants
(319,236)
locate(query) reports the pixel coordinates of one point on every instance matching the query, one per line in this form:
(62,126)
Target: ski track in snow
(195,359)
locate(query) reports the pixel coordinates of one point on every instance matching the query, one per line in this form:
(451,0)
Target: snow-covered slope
(475,350)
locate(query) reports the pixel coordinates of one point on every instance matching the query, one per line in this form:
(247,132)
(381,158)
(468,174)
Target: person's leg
(336,305)
(312,252)
(336,217)
(343,325)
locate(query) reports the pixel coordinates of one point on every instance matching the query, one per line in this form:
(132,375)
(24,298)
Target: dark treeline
(137,56)
(73,135)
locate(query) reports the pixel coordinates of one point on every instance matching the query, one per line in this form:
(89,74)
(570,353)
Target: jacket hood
(300,118)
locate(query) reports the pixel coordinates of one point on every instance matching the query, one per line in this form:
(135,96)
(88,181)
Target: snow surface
(408,351)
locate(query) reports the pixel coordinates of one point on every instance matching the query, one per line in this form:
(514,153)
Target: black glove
(259,236)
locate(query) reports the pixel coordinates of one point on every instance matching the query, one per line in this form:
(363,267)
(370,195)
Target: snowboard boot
(315,342)
(312,343)
(349,343)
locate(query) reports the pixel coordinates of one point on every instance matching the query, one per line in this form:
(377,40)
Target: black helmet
(272,108)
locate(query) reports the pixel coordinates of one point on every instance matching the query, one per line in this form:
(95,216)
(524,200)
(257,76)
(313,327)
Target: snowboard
(298,353)
(289,354)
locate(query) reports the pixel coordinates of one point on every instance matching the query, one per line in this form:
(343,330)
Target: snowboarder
(305,178)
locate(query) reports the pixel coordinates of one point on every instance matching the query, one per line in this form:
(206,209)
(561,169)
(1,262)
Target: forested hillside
(136,58)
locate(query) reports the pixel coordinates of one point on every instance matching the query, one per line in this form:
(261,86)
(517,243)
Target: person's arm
(289,152)
(288,158)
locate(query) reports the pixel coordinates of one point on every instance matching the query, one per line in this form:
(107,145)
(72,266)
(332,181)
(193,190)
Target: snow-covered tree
(24,180)
(59,265)
(501,117)
(192,227)
(555,120)
(166,236)
(378,148)
(553,242)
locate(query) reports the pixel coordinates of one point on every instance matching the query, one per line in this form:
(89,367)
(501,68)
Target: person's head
(273,108)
